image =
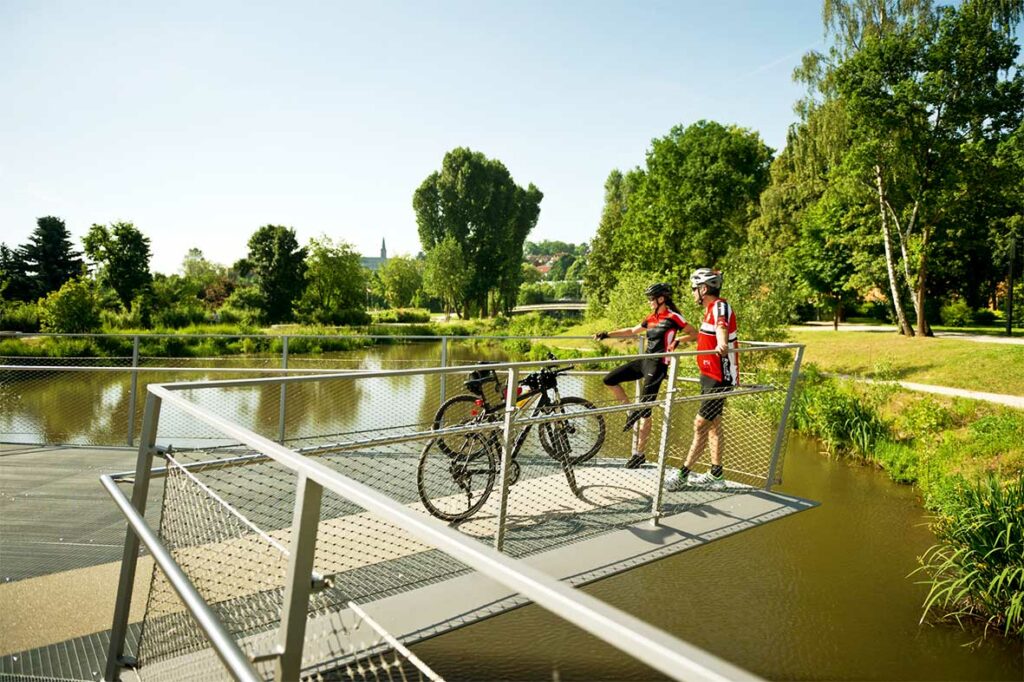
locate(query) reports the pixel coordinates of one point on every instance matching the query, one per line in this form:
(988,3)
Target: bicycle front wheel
(576,439)
(455,486)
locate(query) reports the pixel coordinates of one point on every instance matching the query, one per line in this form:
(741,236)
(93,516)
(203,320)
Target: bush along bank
(967,458)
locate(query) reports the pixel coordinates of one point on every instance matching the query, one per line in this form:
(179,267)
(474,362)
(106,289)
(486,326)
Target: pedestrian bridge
(314,554)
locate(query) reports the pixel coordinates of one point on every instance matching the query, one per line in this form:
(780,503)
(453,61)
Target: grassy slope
(996,368)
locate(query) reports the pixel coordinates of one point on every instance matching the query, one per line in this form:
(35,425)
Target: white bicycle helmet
(712,278)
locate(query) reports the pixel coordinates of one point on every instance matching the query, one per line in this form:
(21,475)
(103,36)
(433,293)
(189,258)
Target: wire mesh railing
(373,461)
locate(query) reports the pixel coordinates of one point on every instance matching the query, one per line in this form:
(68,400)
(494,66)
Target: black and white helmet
(658,289)
(712,278)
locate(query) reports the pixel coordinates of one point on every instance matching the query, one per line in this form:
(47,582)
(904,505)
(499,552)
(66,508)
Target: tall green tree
(210,282)
(474,200)
(698,194)
(50,259)
(448,274)
(15,284)
(401,279)
(604,262)
(122,255)
(278,268)
(927,94)
(824,256)
(335,280)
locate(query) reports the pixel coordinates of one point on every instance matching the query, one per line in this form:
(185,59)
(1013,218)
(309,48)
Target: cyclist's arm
(626,331)
(689,334)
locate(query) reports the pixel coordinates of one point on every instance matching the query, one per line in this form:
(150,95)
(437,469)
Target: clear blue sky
(201,121)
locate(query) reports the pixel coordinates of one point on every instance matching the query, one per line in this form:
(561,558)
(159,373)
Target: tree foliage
(50,259)
(278,268)
(475,201)
(335,282)
(447,274)
(401,279)
(122,255)
(689,207)
(72,309)
(15,284)
(908,109)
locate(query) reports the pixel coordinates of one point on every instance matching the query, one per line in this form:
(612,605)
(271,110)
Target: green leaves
(976,569)
(278,267)
(474,200)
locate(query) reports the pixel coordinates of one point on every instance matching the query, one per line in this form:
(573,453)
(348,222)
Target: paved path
(1000,398)
(964,336)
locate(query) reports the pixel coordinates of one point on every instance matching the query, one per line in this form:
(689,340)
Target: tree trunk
(923,328)
(901,317)
(836,314)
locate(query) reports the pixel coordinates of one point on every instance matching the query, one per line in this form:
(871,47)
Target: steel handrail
(660,651)
(224,644)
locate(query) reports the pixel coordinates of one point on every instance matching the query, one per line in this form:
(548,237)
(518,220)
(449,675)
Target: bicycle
(461,468)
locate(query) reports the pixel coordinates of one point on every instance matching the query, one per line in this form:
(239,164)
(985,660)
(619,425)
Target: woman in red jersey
(662,327)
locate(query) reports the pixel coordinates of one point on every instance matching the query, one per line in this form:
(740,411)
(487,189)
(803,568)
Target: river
(821,595)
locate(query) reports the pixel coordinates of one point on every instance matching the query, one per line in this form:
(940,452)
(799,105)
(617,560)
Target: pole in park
(1009,291)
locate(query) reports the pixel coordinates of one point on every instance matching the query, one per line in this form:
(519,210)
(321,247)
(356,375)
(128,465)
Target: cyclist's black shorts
(651,370)
(712,409)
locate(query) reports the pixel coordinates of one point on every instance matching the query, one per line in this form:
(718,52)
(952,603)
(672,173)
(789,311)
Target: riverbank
(966,457)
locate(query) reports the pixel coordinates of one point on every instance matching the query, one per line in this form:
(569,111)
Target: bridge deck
(57,596)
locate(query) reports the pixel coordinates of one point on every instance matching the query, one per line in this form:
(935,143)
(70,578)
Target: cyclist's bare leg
(701,426)
(619,394)
(645,431)
(716,441)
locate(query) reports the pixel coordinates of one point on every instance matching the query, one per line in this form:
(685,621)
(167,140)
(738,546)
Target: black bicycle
(457,471)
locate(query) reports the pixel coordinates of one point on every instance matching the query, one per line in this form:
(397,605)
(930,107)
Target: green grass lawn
(995,368)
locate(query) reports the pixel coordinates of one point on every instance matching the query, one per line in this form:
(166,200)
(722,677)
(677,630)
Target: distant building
(372,263)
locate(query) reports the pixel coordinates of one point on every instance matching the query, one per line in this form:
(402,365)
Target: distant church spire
(383,250)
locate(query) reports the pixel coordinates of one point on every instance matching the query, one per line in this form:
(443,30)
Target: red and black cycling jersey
(721,368)
(661,331)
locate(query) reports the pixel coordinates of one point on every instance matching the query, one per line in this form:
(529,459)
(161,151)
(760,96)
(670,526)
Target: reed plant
(976,569)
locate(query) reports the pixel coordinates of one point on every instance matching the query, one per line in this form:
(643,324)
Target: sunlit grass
(989,367)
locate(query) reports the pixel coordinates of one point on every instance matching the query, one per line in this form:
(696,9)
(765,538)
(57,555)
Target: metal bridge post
(130,557)
(506,455)
(280,414)
(666,430)
(298,585)
(133,391)
(780,434)
(444,363)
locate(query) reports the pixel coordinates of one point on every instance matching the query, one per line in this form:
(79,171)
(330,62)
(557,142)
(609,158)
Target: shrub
(180,315)
(843,419)
(70,310)
(956,314)
(899,460)
(976,568)
(984,316)
(401,316)
(531,294)
(19,316)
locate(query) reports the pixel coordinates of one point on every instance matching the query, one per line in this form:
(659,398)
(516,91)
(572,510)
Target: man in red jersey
(719,372)
(661,327)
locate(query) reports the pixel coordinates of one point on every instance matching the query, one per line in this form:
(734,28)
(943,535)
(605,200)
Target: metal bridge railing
(97,400)
(279,544)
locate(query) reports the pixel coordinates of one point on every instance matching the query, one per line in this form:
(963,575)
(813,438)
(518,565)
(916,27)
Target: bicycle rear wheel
(576,439)
(455,486)
(458,410)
